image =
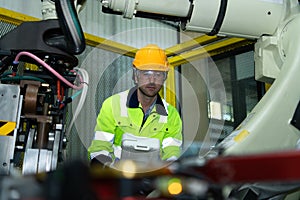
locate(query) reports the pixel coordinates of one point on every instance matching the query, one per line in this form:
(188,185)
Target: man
(139,111)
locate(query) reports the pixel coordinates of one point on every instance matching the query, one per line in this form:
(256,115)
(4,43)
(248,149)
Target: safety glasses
(147,74)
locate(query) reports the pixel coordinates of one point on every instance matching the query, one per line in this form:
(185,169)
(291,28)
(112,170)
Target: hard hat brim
(154,67)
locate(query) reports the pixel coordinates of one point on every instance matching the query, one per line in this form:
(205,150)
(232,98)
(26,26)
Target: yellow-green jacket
(122,113)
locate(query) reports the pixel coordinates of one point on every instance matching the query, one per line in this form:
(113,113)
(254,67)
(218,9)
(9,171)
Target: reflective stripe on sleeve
(117,151)
(173,158)
(171,142)
(104,136)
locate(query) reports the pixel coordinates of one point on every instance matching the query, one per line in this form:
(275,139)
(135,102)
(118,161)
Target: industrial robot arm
(72,40)
(274,122)
(35,138)
(231,18)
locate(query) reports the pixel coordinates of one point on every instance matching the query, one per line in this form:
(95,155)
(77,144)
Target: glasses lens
(155,74)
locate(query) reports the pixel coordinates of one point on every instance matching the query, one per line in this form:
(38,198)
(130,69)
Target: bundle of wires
(82,88)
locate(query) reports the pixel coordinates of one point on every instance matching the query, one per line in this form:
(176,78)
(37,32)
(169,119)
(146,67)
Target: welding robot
(272,126)
(38,70)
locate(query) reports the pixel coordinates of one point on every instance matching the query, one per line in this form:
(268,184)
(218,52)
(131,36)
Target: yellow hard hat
(151,57)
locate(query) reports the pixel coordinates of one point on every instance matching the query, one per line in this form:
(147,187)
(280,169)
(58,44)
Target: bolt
(105,3)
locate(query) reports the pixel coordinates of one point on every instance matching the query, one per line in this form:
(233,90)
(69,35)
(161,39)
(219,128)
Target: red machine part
(267,167)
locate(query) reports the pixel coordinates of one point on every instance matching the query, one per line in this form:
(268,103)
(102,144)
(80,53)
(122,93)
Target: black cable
(73,40)
(220,19)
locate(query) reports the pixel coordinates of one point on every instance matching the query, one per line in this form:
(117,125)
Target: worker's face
(150,82)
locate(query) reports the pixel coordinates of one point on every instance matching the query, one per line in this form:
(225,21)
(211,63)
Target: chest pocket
(154,127)
(126,125)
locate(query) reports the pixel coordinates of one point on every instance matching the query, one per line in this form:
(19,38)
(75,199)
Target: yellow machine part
(6,127)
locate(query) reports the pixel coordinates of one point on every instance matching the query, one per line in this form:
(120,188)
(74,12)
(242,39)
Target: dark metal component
(43,130)
(296,118)
(38,38)
(31,99)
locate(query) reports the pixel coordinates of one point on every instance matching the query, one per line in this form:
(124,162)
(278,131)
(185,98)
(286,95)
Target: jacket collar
(132,102)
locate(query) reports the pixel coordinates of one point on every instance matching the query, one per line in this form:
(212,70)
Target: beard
(150,90)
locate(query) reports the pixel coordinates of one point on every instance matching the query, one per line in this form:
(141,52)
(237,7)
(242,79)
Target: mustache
(150,84)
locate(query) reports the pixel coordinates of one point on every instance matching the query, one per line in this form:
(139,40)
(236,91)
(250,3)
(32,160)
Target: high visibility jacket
(122,113)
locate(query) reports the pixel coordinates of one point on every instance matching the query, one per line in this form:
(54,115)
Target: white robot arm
(273,124)
(243,18)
